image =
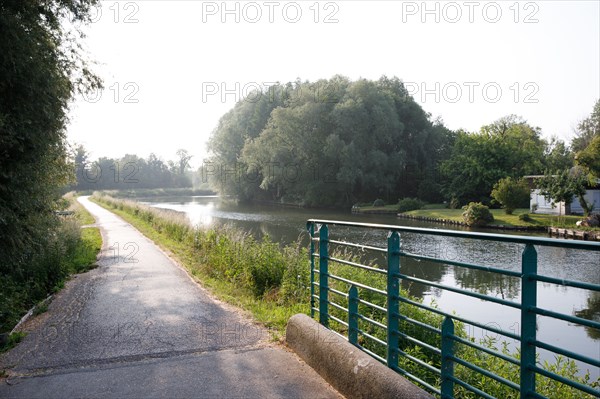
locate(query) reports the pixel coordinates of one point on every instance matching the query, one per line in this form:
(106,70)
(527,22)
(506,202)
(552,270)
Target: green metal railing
(448,341)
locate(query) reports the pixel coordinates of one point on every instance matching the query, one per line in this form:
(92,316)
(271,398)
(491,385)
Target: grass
(74,250)
(12,341)
(500,217)
(228,263)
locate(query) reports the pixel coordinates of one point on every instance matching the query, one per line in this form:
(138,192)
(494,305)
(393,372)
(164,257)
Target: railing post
(353,315)
(323,275)
(528,320)
(447,387)
(393,293)
(311,230)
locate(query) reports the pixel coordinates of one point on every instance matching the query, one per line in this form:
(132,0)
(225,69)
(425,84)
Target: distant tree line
(130,171)
(337,142)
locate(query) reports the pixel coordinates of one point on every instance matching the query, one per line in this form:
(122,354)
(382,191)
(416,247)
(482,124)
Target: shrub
(477,214)
(525,217)
(511,194)
(409,204)
(378,203)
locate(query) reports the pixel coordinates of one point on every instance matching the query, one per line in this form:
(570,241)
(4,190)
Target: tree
(509,147)
(41,68)
(329,143)
(511,193)
(587,129)
(589,158)
(558,155)
(184,158)
(563,186)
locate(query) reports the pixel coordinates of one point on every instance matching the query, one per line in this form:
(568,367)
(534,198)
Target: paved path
(138,327)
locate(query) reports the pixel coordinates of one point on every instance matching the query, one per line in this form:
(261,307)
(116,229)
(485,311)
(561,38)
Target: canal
(287,224)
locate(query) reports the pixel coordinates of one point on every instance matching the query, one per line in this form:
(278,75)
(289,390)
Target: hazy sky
(171,69)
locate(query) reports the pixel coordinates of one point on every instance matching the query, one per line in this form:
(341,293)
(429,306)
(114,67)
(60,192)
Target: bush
(511,194)
(409,204)
(477,214)
(378,203)
(525,217)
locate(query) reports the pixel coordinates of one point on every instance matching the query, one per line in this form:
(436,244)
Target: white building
(539,204)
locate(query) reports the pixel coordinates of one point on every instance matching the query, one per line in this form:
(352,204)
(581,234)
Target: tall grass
(64,250)
(271,281)
(274,283)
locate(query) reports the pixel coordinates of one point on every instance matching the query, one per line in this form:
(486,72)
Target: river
(287,224)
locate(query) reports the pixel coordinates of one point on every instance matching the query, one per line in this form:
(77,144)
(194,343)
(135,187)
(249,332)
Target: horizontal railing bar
(420,362)
(490,269)
(316,309)
(372,305)
(536,395)
(351,244)
(470,322)
(471,388)
(486,373)
(373,322)
(418,323)
(463,292)
(366,334)
(335,305)
(342,322)
(364,267)
(571,319)
(552,242)
(337,292)
(566,381)
(564,352)
(420,343)
(416,379)
(366,287)
(492,352)
(569,283)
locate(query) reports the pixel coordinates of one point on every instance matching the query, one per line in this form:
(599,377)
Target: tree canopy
(330,142)
(509,147)
(41,68)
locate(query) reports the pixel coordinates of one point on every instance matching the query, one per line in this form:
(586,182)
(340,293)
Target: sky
(171,69)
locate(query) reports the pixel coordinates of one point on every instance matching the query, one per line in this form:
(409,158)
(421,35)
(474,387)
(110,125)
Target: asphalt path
(139,327)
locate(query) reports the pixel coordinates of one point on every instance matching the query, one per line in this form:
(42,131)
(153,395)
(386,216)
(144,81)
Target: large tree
(331,142)
(40,70)
(509,147)
(587,129)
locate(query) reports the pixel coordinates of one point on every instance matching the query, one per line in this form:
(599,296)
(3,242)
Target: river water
(286,224)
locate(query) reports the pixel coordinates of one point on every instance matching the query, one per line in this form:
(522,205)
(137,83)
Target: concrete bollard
(348,369)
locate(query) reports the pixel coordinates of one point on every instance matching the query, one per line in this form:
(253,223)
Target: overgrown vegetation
(12,340)
(273,283)
(69,249)
(41,69)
